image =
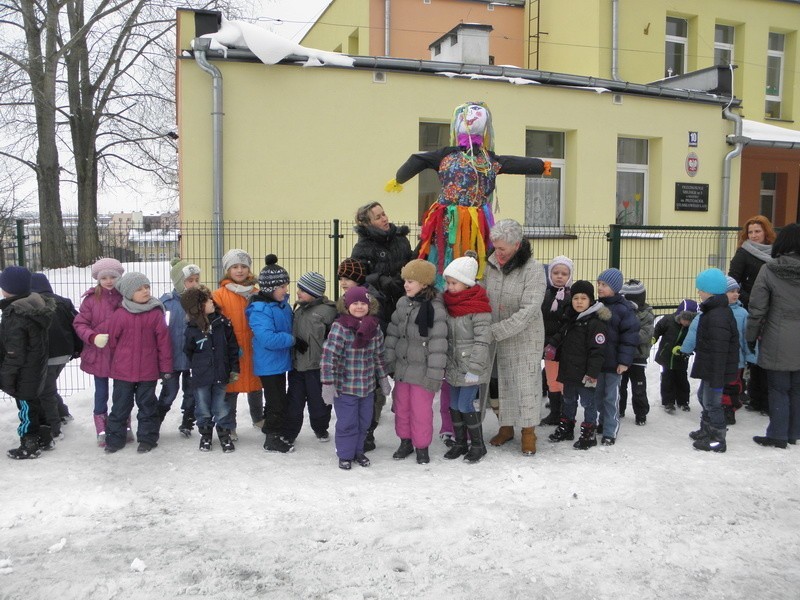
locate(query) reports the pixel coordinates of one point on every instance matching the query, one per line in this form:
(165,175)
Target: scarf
(467,302)
(762,252)
(245,291)
(424,320)
(136,308)
(365,329)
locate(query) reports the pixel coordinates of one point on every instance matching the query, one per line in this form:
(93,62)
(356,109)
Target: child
(469,335)
(351,362)
(213,356)
(270,319)
(313,316)
(716,358)
(733,389)
(235,290)
(185,276)
(621,342)
(634,291)
(556,300)
(580,344)
(416,352)
(23,357)
(141,352)
(672,331)
(97,306)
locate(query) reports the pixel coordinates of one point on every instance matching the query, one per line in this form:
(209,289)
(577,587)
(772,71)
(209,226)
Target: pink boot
(129,432)
(100,427)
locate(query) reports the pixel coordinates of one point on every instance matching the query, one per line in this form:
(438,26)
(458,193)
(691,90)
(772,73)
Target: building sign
(693,139)
(692,164)
(691,196)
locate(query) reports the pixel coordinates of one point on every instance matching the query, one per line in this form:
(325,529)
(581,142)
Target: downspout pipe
(615,40)
(738,142)
(201,46)
(387,22)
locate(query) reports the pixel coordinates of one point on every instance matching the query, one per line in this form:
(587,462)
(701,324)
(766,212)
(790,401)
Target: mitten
(471,378)
(233,377)
(386,387)
(100,340)
(549,352)
(393,186)
(300,345)
(589,382)
(328,393)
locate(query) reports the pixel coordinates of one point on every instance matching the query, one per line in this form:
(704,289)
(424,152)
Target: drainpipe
(201,45)
(387,21)
(739,143)
(615,40)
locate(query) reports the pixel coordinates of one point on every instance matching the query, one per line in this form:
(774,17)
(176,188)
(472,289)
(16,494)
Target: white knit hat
(463,269)
(236,256)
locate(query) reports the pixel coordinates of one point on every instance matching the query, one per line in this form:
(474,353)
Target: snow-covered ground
(647,518)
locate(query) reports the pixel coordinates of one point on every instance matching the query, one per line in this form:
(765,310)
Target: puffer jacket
(233,306)
(140,346)
(92,318)
(716,359)
(623,333)
(469,338)
(646,319)
(671,334)
(385,253)
(312,322)
(24,344)
(177,329)
(411,357)
(581,343)
(271,323)
(214,354)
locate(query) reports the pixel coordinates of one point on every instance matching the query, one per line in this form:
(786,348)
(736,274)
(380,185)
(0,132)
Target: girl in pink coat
(91,325)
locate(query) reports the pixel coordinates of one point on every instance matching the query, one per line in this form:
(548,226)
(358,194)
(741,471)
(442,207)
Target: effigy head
(472,125)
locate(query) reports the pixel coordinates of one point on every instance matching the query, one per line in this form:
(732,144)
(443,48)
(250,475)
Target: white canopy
(761,132)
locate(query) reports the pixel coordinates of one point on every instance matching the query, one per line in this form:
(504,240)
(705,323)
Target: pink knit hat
(107,266)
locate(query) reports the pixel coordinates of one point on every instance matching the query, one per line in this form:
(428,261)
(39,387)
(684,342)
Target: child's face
(280,293)
(559,275)
(454,285)
(412,287)
(238,273)
(142,295)
(733,296)
(191,282)
(107,281)
(684,322)
(346,283)
(209,307)
(603,291)
(358,309)
(303,296)
(580,302)
(703,295)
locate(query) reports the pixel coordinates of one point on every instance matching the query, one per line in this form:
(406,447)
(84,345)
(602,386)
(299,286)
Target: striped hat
(312,283)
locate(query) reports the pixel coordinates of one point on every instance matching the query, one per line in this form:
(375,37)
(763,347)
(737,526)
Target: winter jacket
(740,314)
(353,371)
(744,268)
(716,359)
(92,318)
(312,322)
(581,343)
(774,317)
(646,320)
(411,357)
(24,344)
(623,333)
(212,355)
(233,306)
(468,340)
(140,346)
(554,319)
(385,253)
(271,323)
(177,329)
(671,334)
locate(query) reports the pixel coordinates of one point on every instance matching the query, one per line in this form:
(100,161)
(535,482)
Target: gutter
(739,143)
(387,21)
(615,40)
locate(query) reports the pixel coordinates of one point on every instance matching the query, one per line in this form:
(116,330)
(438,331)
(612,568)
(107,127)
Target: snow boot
(477,449)
(46,441)
(369,441)
(129,432)
(345,465)
(730,415)
(362,460)
(205,439)
(701,433)
(28,448)
(714,443)
(768,441)
(504,435)
(100,428)
(459,447)
(528,441)
(554,417)
(564,431)
(187,424)
(422,456)
(145,447)
(225,440)
(405,449)
(275,443)
(587,439)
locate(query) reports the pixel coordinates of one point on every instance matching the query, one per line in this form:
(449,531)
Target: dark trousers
(674,387)
(125,393)
(305,387)
(30,417)
(255,402)
(276,402)
(636,375)
(49,398)
(784,405)
(757,388)
(169,391)
(353,418)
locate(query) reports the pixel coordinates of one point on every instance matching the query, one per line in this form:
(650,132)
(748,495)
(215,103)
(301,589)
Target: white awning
(761,132)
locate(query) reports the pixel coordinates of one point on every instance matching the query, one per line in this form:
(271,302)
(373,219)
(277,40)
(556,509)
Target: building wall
(786,163)
(343,27)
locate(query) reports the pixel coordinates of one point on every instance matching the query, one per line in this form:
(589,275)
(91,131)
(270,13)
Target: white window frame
(683,41)
(723,46)
(779,54)
(770,194)
(556,163)
(636,168)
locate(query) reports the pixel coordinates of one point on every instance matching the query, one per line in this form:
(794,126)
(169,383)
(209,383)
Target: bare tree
(15,196)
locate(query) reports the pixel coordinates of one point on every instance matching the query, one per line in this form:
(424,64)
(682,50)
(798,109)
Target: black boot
(369,441)
(405,449)
(422,456)
(205,439)
(730,415)
(459,447)
(477,449)
(555,410)
(28,448)
(714,443)
(225,441)
(275,443)
(564,431)
(701,433)
(46,441)
(187,423)
(587,439)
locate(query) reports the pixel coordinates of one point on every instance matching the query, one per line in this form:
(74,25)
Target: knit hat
(107,266)
(16,280)
(732,284)
(236,257)
(180,271)
(711,281)
(130,282)
(687,309)
(355,294)
(612,278)
(635,291)
(463,269)
(419,270)
(273,275)
(312,283)
(40,283)
(561,260)
(353,269)
(583,287)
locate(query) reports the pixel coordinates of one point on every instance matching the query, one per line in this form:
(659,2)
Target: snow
(768,133)
(647,518)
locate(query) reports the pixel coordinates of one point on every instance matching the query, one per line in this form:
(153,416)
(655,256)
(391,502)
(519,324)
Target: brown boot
(506,434)
(528,441)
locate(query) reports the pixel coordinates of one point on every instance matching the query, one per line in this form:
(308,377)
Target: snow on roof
(160,236)
(768,133)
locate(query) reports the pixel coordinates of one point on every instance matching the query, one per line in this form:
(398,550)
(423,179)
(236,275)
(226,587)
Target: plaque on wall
(691,196)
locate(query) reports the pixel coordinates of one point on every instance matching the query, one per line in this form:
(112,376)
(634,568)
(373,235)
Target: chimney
(465,43)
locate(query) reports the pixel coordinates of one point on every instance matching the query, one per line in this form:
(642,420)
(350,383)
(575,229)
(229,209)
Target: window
(543,195)
(437,49)
(723,45)
(675,50)
(769,186)
(432,136)
(632,181)
(772,105)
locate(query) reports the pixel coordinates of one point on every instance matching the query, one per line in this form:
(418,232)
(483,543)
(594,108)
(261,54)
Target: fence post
(21,242)
(335,236)
(615,248)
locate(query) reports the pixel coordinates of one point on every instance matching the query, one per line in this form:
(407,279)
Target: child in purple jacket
(141,350)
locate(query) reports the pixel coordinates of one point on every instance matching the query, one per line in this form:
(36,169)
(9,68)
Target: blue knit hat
(612,278)
(711,281)
(16,280)
(732,284)
(686,306)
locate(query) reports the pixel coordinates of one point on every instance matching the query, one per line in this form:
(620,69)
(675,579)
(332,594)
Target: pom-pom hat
(634,290)
(107,266)
(463,269)
(180,271)
(711,281)
(312,283)
(272,276)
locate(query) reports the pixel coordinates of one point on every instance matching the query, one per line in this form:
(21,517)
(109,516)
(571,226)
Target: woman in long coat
(515,283)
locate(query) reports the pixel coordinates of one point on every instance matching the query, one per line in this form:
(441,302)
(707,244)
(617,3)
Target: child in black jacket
(672,330)
(214,359)
(581,351)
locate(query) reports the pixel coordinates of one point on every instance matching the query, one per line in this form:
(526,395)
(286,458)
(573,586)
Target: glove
(589,382)
(393,186)
(676,351)
(471,378)
(386,387)
(549,352)
(165,376)
(100,340)
(547,168)
(653,341)
(328,393)
(233,377)
(752,346)
(300,345)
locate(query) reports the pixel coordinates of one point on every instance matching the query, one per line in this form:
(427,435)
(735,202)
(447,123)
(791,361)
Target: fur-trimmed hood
(601,310)
(34,306)
(378,235)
